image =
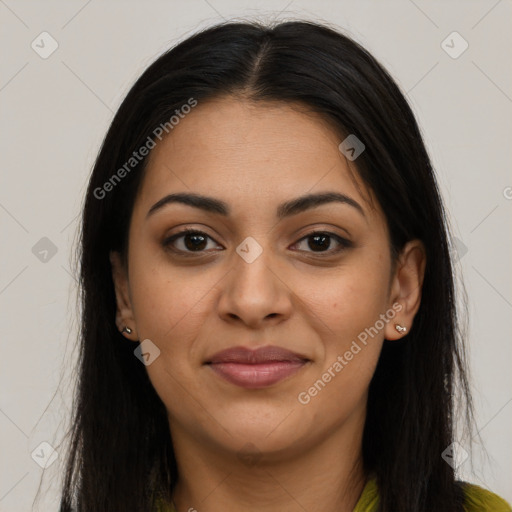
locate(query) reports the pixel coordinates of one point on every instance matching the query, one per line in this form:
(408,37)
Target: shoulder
(479,499)
(164,507)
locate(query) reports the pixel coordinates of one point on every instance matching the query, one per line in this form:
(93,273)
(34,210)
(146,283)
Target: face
(314,280)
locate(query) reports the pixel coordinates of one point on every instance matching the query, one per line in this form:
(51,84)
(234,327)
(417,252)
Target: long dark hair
(120,455)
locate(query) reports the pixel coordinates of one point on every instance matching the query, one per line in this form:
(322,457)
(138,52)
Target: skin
(295,295)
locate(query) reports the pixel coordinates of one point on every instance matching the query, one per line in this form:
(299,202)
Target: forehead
(248,153)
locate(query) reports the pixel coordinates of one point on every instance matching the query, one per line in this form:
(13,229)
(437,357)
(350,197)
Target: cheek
(351,347)
(168,301)
(350,301)
(169,306)
(352,333)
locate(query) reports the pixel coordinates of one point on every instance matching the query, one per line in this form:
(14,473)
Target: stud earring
(400,328)
(127,330)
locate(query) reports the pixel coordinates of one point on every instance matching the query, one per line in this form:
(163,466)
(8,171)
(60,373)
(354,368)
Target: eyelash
(167,243)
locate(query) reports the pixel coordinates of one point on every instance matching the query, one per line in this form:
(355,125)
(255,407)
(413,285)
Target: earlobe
(406,288)
(125,321)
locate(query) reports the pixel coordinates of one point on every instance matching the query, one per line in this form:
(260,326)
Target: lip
(253,369)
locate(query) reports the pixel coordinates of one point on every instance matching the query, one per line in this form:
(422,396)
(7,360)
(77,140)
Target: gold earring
(400,328)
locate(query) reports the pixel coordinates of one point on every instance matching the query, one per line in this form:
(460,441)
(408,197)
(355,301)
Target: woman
(269,314)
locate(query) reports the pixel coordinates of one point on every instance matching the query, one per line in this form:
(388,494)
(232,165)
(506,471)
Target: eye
(193,241)
(321,241)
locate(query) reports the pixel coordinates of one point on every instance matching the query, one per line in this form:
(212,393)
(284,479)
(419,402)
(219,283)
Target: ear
(406,287)
(124,313)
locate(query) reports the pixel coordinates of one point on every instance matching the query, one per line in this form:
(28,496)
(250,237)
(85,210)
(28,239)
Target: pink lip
(256,368)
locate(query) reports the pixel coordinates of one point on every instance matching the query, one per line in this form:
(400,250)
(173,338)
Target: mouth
(254,369)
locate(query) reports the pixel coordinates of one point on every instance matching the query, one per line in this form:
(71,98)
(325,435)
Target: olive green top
(477,500)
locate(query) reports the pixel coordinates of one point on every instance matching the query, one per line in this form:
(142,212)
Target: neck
(326,476)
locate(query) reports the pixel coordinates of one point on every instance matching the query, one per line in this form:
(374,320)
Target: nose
(255,292)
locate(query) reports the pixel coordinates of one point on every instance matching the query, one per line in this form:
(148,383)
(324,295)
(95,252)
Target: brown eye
(192,241)
(321,242)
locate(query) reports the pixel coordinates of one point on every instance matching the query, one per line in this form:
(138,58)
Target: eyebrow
(286,209)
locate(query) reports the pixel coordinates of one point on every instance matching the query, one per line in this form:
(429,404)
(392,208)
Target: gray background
(55,112)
